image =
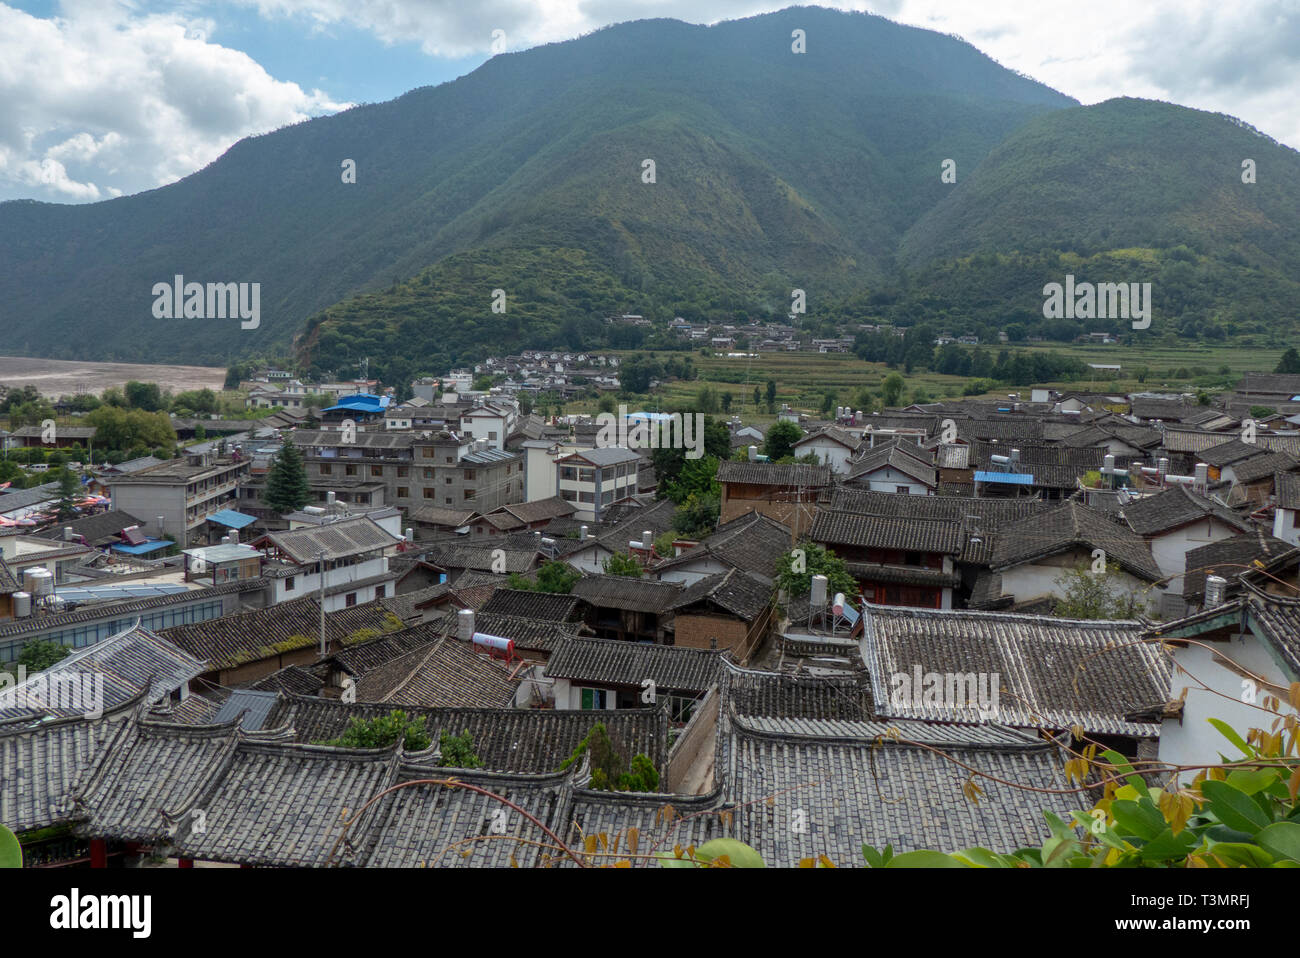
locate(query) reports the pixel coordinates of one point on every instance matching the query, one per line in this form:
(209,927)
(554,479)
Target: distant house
(832,445)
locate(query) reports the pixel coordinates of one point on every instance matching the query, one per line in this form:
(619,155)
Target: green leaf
(1124,768)
(740,854)
(983,858)
(1241,854)
(925,858)
(1282,840)
(1169,847)
(1252,780)
(11,853)
(1227,732)
(1234,808)
(873,857)
(1141,819)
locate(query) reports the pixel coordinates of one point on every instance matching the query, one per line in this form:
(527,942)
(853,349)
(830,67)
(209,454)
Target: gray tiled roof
(103,525)
(1052,673)
(528,634)
(1227,558)
(133,661)
(752,543)
(1232,451)
(1071,525)
(1288,491)
(41,764)
(338,540)
(886,532)
(1264,467)
(554,607)
(773,474)
(614,662)
(991,512)
(292,678)
(1175,507)
(532,741)
(625,592)
(896,456)
(733,591)
(446,673)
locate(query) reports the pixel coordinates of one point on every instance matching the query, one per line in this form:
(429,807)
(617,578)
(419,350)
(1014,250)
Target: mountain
(773,170)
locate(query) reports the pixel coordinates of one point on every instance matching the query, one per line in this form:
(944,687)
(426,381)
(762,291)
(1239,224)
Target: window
(568,473)
(447,501)
(469,474)
(447,480)
(606,498)
(912,558)
(451,458)
(403,492)
(429,473)
(428,494)
(326,469)
(379,592)
(586,475)
(903,489)
(350,599)
(492,435)
(593,699)
(289,583)
(349,470)
(586,497)
(377,471)
(427,452)
(469,493)
(403,471)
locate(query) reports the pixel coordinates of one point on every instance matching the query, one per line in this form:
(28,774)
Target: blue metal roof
(360,402)
(149,545)
(231,518)
(1012,478)
(255,705)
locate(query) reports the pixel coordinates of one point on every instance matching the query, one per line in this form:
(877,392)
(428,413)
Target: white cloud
(102,100)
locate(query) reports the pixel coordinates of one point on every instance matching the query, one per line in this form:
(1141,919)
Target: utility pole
(320,559)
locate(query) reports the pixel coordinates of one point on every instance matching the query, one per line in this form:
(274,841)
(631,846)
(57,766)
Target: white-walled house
(1243,649)
(1032,553)
(894,468)
(353,554)
(1286,514)
(1174,522)
(833,447)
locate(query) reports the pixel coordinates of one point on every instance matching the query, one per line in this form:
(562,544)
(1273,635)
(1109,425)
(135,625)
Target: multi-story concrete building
(435,469)
(184,492)
(596,479)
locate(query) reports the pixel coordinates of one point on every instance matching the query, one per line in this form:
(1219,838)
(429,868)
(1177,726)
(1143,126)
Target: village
(297,612)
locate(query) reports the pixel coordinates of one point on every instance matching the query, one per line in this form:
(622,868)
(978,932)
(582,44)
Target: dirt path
(58,377)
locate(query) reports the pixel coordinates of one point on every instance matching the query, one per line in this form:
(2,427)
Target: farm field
(61,377)
(803,378)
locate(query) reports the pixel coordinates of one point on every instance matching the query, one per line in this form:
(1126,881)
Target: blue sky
(100,98)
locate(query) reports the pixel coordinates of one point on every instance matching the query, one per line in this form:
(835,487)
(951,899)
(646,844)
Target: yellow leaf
(826,862)
(589,844)
(622,863)
(513,862)
(604,842)
(633,840)
(1293,693)
(1078,731)
(722,861)
(807,863)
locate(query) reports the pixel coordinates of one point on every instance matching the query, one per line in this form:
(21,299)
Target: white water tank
(818,597)
(1216,591)
(838,605)
(38,582)
(582,533)
(410,534)
(465,625)
(495,642)
(22,605)
(753,454)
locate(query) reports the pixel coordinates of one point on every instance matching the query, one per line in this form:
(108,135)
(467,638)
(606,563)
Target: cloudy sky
(100,98)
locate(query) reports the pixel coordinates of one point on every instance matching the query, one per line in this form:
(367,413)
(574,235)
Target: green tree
(697,476)
(146,396)
(727,400)
(69,493)
(286,482)
(609,769)
(40,654)
(1289,363)
(1095,595)
(457,751)
(698,515)
(780,440)
(552,576)
(383,730)
(771,395)
(891,390)
(758,398)
(622,563)
(795,571)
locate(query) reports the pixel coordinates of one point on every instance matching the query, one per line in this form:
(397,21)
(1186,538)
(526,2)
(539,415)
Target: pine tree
(69,490)
(286,483)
